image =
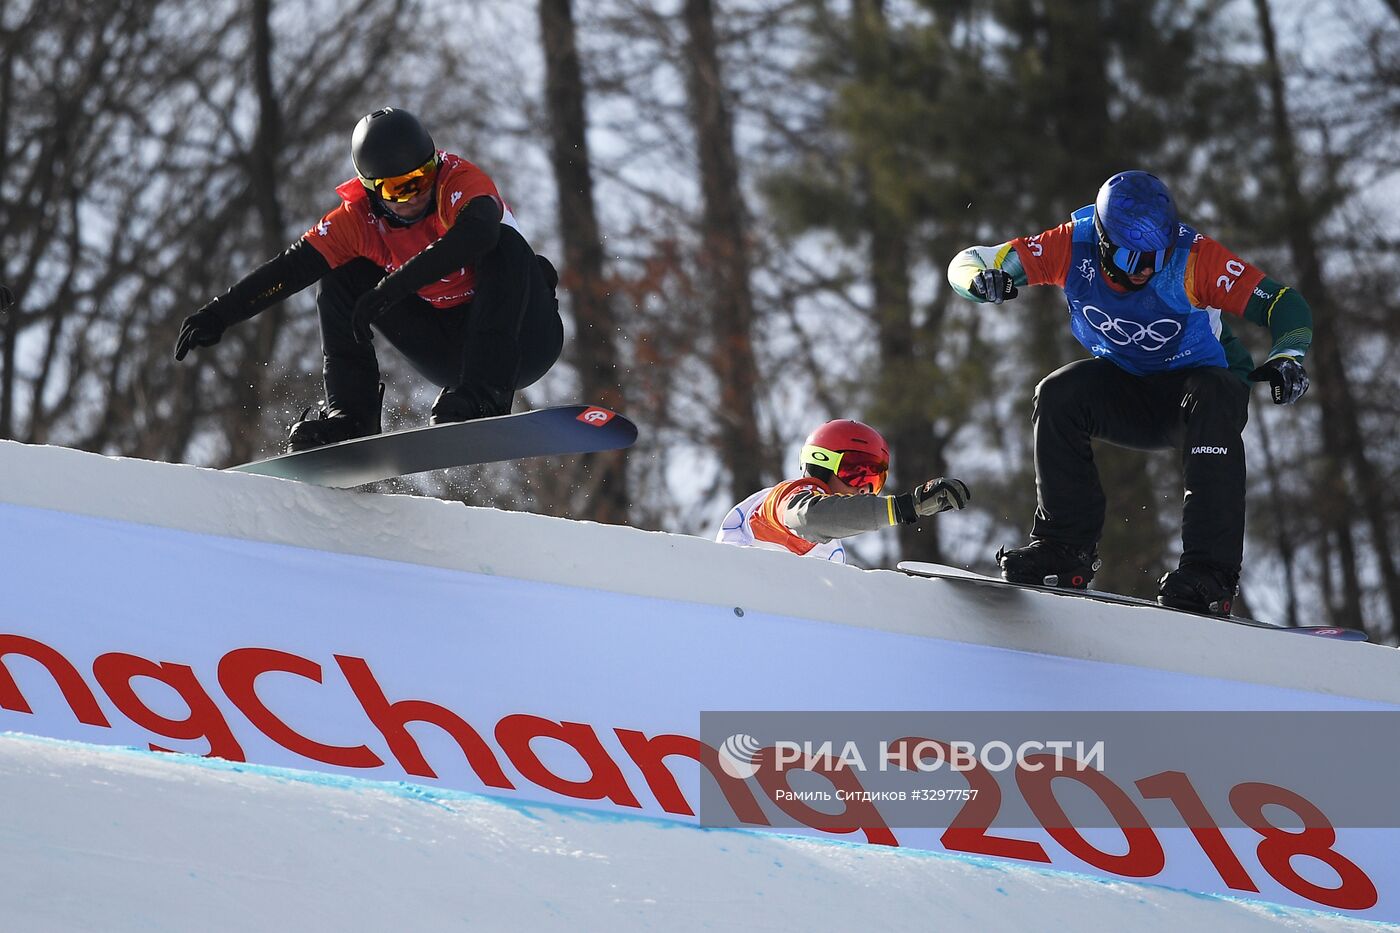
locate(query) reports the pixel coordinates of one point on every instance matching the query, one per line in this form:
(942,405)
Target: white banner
(125,634)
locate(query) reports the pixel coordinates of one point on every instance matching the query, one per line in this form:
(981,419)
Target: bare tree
(596,323)
(902,409)
(1345,447)
(71,238)
(265,158)
(726,257)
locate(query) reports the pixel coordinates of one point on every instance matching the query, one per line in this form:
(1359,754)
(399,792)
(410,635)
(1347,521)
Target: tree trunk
(724,239)
(1340,423)
(596,352)
(9,316)
(900,412)
(264,166)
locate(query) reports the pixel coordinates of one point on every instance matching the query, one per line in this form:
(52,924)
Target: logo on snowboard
(596,417)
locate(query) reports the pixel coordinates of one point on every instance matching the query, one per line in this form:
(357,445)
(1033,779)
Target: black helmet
(390,142)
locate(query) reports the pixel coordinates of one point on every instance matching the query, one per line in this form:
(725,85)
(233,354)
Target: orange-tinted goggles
(404,187)
(863,470)
(857,468)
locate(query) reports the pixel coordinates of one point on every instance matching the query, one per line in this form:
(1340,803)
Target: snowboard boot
(467,403)
(326,427)
(1049,563)
(1207,589)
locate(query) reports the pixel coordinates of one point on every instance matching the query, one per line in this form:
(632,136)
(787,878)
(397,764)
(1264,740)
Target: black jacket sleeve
(280,277)
(472,235)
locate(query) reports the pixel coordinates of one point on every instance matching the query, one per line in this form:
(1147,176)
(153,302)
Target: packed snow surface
(117,840)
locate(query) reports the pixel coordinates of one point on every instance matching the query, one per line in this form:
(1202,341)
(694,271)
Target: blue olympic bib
(1154,329)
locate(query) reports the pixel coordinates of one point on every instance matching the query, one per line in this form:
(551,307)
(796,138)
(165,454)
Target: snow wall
(555,664)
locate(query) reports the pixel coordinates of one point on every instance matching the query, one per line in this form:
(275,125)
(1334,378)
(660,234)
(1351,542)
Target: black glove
(937,495)
(993,285)
(368,309)
(204,328)
(1288,380)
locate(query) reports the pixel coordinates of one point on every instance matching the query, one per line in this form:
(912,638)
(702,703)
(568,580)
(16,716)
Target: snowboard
(919,569)
(571,429)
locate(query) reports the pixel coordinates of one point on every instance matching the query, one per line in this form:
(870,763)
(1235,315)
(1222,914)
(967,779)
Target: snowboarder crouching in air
(1148,297)
(423,249)
(844,466)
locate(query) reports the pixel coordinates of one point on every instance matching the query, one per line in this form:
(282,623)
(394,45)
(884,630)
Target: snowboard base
(939,571)
(571,429)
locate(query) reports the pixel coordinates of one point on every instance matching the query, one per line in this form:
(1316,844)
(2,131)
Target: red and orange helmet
(853,451)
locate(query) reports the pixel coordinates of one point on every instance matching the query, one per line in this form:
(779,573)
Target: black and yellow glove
(993,285)
(1287,379)
(937,495)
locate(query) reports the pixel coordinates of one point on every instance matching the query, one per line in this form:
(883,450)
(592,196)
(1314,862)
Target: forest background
(753,204)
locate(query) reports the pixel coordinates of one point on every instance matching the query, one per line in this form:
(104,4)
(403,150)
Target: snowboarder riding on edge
(423,249)
(1146,296)
(844,465)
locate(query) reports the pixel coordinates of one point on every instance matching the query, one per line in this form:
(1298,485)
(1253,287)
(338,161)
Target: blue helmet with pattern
(1136,223)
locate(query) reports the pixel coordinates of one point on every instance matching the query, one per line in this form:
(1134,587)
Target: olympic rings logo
(1122,332)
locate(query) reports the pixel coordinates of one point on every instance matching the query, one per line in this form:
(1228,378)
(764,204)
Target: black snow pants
(506,337)
(1200,411)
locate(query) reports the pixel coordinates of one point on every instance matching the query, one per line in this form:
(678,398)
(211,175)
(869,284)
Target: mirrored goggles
(405,187)
(857,468)
(1129,261)
(1133,261)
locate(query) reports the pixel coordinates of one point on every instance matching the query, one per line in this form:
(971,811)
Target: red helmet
(853,451)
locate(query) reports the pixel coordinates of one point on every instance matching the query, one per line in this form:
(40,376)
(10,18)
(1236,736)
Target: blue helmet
(1135,219)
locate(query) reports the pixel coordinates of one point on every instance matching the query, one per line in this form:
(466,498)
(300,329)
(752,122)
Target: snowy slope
(114,840)
(369,640)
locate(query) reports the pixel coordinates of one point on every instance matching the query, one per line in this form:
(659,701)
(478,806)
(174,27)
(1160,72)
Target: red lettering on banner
(70,682)
(968,830)
(115,671)
(1176,787)
(515,733)
(1144,857)
(391,719)
(859,812)
(650,756)
(238,674)
(1280,849)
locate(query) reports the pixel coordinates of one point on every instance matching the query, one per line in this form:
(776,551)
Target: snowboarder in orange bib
(844,466)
